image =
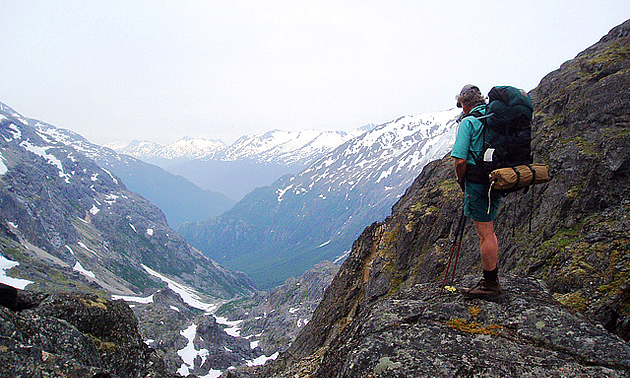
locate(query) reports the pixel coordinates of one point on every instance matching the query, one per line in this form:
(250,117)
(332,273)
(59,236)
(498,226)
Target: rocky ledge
(424,331)
(71,335)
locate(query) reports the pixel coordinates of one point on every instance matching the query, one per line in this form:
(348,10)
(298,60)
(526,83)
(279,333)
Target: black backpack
(507,133)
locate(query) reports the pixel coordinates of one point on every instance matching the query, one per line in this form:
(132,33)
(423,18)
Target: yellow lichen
(474,328)
(473,311)
(574,300)
(104,346)
(99,303)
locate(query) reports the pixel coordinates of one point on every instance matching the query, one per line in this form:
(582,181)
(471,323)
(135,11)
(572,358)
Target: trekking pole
(531,210)
(459,231)
(459,247)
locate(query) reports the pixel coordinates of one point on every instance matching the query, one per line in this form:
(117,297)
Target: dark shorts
(476,203)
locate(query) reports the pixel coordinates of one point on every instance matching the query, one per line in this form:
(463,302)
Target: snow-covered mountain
(250,162)
(70,225)
(273,147)
(386,159)
(281,230)
(157,185)
(286,147)
(186,148)
(69,216)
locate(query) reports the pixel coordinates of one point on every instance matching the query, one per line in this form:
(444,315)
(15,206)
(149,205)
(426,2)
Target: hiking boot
(484,290)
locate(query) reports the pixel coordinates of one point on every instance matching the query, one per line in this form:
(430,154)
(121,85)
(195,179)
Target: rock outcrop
(73,335)
(424,331)
(384,315)
(272,320)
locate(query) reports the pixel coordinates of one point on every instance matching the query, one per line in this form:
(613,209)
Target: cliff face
(384,314)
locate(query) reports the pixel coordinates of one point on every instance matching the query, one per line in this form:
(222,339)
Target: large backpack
(506,135)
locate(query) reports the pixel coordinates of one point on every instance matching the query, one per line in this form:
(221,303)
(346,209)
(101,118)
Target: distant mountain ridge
(281,230)
(157,185)
(273,147)
(250,162)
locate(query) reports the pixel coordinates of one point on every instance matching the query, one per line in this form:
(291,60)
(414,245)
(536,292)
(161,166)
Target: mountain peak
(290,148)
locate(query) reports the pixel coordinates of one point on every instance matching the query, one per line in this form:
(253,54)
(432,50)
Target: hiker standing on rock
(478,205)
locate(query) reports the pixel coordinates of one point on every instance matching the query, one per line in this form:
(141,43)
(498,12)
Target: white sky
(161,70)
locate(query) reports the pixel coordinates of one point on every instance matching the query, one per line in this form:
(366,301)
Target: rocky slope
(188,339)
(566,306)
(70,223)
(272,320)
(422,331)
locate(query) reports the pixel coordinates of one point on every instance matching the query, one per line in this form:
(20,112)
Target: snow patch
(79,268)
(189,295)
(281,192)
(3,166)
(110,175)
(111,198)
(125,298)
(94,210)
(302,322)
(17,133)
(212,374)
(87,249)
(385,174)
(150,231)
(233,328)
(6,264)
(188,354)
(262,359)
(324,244)
(53,160)
(342,257)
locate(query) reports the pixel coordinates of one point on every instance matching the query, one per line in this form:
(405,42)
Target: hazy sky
(160,70)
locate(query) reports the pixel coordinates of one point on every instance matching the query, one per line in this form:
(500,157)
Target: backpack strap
(533,173)
(483,118)
(476,173)
(518,177)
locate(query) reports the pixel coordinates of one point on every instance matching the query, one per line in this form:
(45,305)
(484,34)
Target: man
(468,146)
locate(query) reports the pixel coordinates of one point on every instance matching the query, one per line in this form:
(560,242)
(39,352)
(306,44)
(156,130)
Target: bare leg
(489,287)
(489,245)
